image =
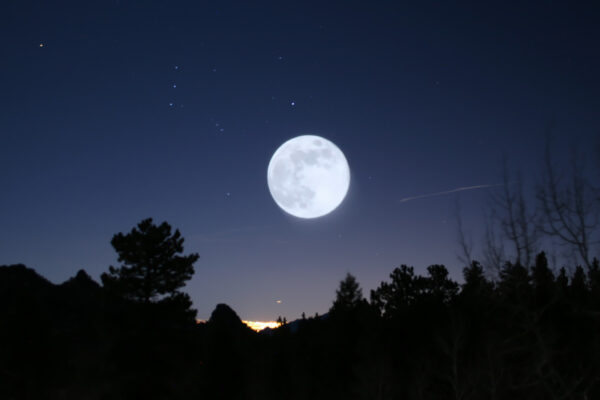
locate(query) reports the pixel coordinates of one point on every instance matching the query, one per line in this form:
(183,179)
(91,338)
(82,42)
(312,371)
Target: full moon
(308,176)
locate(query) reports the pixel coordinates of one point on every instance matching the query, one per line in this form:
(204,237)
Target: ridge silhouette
(531,334)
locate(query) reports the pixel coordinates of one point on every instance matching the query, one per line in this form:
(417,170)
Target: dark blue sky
(420,98)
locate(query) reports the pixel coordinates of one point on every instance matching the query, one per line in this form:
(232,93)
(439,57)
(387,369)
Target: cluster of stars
(174,86)
(173,103)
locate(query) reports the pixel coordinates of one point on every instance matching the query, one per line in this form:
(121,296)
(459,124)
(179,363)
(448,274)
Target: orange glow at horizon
(260,325)
(254,325)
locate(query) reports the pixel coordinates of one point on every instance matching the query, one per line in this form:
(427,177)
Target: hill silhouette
(534,333)
(531,333)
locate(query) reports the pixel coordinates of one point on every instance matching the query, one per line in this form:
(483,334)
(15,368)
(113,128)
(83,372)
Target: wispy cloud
(459,189)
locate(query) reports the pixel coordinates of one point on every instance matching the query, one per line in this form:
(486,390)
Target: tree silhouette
(542,279)
(475,281)
(569,207)
(515,218)
(438,285)
(394,297)
(531,334)
(594,282)
(152,265)
(562,281)
(579,287)
(348,296)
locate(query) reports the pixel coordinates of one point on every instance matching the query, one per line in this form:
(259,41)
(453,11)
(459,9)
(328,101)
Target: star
(293,103)
(174,86)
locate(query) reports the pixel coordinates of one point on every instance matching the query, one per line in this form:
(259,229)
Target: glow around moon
(308,176)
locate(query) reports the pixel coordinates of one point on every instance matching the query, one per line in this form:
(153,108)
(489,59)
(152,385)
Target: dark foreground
(533,334)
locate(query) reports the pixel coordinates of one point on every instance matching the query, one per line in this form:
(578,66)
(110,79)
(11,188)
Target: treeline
(531,333)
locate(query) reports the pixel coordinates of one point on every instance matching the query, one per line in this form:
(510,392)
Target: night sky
(115,111)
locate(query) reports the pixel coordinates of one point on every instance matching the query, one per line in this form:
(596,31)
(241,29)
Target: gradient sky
(114,111)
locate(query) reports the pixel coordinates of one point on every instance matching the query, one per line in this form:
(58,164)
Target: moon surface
(308,176)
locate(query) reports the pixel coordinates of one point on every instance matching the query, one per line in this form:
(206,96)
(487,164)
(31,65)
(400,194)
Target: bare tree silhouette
(569,206)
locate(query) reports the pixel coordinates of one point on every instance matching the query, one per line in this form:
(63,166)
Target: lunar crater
(308,176)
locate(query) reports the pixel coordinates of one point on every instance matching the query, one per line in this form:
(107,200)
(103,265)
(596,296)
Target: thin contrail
(460,189)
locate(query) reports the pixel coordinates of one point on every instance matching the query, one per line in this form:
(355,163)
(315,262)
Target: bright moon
(308,176)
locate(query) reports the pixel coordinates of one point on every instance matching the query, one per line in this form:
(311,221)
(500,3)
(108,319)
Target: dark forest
(529,333)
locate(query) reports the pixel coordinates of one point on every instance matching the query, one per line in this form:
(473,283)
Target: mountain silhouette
(533,332)
(19,278)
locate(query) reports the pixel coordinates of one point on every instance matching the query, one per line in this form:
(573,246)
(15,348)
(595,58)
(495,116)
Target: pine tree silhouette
(152,265)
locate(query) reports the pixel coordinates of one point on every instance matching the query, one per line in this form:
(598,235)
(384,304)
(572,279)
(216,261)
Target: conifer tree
(348,296)
(153,267)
